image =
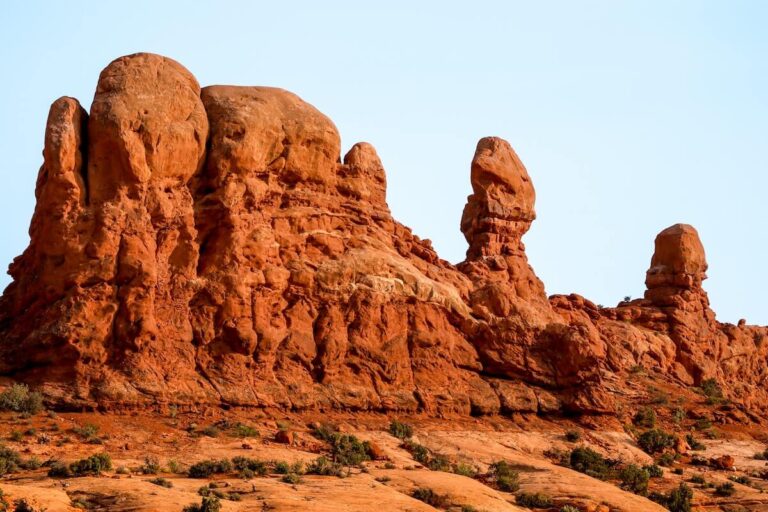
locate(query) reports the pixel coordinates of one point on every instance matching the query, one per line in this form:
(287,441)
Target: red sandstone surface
(210,246)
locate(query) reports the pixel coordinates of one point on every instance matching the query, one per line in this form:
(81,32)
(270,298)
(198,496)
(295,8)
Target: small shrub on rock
(645,418)
(634,479)
(208,504)
(655,441)
(430,497)
(206,468)
(400,430)
(586,460)
(533,500)
(19,398)
(505,476)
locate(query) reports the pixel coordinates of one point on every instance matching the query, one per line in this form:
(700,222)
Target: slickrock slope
(211,246)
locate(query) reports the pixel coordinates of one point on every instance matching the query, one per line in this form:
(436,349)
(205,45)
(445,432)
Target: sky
(629,116)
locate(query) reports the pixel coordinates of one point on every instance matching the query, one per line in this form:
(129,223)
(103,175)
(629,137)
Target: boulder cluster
(211,246)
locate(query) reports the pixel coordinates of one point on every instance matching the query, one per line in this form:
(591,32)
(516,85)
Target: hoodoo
(210,245)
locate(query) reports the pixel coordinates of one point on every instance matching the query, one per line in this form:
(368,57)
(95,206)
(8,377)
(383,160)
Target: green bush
(291,478)
(586,460)
(507,479)
(162,482)
(19,398)
(93,465)
(400,430)
(654,471)
(151,465)
(712,391)
(694,443)
(697,479)
(88,433)
(242,430)
(725,489)
(645,418)
(419,452)
(208,504)
(655,441)
(537,500)
(666,459)
(255,466)
(430,497)
(206,468)
(9,460)
(634,479)
(464,470)
(348,450)
(569,508)
(678,500)
(573,436)
(324,466)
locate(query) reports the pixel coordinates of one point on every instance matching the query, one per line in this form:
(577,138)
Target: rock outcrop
(211,246)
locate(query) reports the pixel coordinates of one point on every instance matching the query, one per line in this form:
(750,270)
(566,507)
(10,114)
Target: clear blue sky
(630,116)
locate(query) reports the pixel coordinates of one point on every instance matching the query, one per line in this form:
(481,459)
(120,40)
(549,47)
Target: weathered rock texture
(211,246)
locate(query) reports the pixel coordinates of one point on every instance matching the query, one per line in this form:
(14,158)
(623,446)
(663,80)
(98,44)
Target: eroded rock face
(211,246)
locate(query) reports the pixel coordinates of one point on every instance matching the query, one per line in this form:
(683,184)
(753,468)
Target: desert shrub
(206,468)
(654,471)
(282,467)
(573,436)
(439,462)
(468,508)
(255,466)
(242,430)
(666,459)
(586,460)
(291,478)
(16,436)
(324,466)
(761,455)
(22,505)
(122,470)
(211,431)
(678,471)
(58,469)
(533,500)
(430,497)
(694,443)
(697,479)
(175,466)
(677,500)
(162,482)
(703,424)
(9,460)
(419,452)
(348,450)
(208,504)
(464,470)
(400,430)
(657,396)
(19,398)
(634,479)
(88,433)
(712,391)
(31,463)
(678,415)
(93,465)
(325,432)
(569,508)
(725,489)
(741,479)
(151,465)
(655,441)
(645,418)
(505,476)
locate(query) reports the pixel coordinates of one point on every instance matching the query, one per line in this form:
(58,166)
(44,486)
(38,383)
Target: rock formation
(210,246)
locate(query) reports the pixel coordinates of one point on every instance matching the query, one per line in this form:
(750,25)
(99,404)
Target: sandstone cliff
(211,246)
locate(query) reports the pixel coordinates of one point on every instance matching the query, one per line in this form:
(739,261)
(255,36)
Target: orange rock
(285,437)
(210,246)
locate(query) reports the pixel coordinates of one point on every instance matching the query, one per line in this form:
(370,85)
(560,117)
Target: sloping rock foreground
(210,246)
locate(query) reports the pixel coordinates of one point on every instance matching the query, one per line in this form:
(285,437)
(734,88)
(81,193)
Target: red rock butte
(210,246)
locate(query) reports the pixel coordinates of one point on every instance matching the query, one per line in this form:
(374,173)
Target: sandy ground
(381,485)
